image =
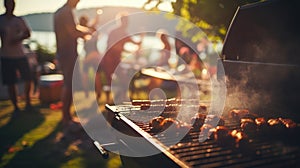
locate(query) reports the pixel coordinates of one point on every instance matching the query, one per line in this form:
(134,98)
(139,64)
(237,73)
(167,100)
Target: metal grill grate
(261,152)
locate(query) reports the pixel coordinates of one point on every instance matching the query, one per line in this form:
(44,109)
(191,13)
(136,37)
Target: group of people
(13,30)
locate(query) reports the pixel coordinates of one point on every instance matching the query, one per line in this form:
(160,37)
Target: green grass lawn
(36,139)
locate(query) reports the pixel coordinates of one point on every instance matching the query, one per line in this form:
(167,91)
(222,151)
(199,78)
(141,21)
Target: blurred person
(92,55)
(13,30)
(33,64)
(166,50)
(184,48)
(188,55)
(67,33)
(117,38)
(164,60)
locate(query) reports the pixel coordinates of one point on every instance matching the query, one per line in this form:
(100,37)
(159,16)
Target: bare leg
(13,95)
(67,100)
(98,85)
(107,96)
(68,122)
(27,93)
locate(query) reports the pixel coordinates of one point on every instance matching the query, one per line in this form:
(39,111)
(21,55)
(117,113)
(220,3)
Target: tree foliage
(44,54)
(212,16)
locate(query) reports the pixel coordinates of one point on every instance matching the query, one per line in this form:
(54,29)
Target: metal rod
(103,152)
(260,63)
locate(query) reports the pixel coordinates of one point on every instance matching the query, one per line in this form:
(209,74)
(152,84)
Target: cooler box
(51,88)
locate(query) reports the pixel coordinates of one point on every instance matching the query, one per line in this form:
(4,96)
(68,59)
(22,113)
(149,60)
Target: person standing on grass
(92,56)
(117,38)
(13,30)
(67,33)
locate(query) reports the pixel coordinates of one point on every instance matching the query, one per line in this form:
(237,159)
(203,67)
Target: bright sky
(24,7)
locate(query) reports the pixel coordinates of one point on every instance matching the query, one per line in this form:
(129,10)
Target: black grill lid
(261,57)
(265,32)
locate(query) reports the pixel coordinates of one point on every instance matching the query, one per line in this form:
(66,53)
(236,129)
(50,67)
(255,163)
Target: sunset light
(38,6)
(149,83)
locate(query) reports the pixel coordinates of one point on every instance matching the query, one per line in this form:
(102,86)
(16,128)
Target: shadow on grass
(17,127)
(57,149)
(60,150)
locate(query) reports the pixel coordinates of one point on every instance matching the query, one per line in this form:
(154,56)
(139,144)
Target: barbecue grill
(260,77)
(189,152)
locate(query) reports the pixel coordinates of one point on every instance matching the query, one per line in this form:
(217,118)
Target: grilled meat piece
(243,143)
(214,120)
(170,124)
(248,125)
(260,121)
(223,137)
(288,123)
(237,114)
(261,125)
(206,131)
(240,137)
(275,122)
(275,127)
(197,121)
(156,123)
(291,130)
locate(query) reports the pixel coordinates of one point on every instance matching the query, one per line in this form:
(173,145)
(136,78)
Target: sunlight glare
(38,6)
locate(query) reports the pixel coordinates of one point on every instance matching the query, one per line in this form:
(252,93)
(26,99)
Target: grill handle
(102,151)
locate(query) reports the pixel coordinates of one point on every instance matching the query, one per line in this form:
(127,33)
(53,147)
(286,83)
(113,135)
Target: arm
(77,31)
(22,31)
(73,29)
(26,30)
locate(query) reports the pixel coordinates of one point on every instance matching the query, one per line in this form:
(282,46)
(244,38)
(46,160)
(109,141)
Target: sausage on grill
(205,132)
(237,114)
(214,120)
(261,125)
(171,124)
(223,137)
(197,121)
(248,125)
(156,123)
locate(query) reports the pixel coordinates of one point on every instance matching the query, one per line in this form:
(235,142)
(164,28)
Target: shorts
(9,68)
